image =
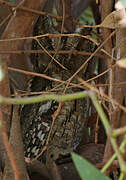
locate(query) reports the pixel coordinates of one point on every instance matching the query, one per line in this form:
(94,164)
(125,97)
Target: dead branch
(107,9)
(16,143)
(20,25)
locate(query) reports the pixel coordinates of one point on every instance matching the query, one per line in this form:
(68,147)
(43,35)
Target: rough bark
(19,26)
(117,116)
(106,8)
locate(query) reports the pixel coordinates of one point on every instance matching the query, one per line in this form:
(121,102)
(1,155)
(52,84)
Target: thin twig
(122,146)
(86,85)
(91,56)
(50,54)
(36,99)
(89,86)
(13,10)
(117,132)
(107,129)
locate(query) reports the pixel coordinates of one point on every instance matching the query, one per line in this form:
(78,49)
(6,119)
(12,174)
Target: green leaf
(86,170)
(88,16)
(123,2)
(13,1)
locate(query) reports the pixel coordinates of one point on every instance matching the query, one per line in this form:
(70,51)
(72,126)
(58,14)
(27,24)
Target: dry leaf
(117,19)
(122,63)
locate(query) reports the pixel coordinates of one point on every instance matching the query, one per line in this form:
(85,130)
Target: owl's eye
(51,156)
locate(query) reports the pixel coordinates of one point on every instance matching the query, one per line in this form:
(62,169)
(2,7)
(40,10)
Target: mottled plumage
(36,119)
